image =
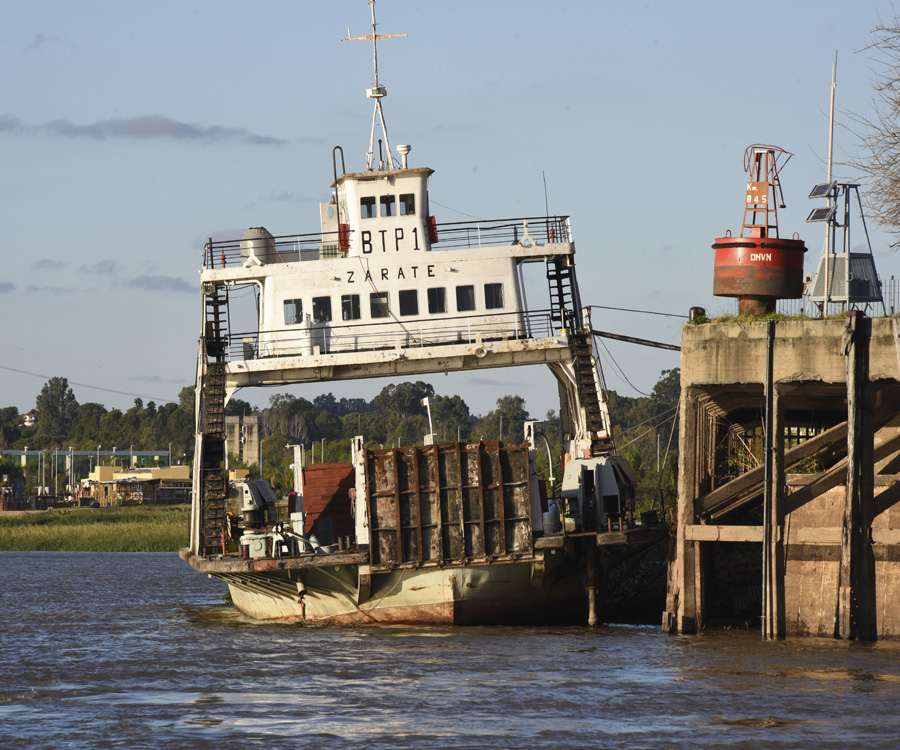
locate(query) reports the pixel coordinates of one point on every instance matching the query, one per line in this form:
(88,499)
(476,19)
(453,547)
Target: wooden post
(774,623)
(685,596)
(768,504)
(590,549)
(855,617)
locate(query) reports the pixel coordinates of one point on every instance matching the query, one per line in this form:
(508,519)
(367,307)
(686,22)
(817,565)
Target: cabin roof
(380,175)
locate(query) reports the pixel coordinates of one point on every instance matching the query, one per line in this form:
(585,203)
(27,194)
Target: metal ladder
(211,430)
(596,416)
(559,278)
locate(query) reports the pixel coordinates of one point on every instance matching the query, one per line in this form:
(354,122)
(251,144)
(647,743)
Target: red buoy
(758,267)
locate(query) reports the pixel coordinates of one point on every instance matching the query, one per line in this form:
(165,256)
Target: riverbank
(129,529)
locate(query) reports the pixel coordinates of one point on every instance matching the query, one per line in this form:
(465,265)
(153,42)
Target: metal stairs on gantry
(587,381)
(213,485)
(560,278)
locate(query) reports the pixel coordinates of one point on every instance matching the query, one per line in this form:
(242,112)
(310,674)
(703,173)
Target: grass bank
(142,529)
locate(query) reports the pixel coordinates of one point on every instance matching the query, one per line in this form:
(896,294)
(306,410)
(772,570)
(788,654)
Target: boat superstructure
(448,533)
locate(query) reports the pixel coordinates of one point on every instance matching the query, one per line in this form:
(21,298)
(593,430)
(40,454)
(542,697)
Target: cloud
(158,379)
(144,127)
(39,40)
(497,382)
(101,268)
(161,284)
(11,124)
(6,287)
(34,288)
(286,196)
(47,264)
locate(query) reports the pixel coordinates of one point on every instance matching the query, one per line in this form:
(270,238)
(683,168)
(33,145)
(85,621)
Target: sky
(130,133)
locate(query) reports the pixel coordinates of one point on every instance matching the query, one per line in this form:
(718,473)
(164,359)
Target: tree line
(396,416)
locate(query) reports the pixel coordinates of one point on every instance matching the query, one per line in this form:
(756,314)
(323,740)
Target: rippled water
(115,650)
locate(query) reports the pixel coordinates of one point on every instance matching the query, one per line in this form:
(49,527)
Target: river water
(119,650)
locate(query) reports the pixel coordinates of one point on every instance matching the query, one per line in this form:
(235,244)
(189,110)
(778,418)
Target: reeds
(97,530)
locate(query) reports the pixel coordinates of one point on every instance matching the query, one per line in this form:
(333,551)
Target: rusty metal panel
(383,512)
(449,503)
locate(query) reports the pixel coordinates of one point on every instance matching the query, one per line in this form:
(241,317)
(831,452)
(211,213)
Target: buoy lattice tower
(759,267)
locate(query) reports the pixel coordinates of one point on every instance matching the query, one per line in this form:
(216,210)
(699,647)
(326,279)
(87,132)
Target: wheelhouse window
(465,298)
(367,208)
(493,296)
(388,205)
(437,300)
(409,302)
(379,305)
(322,309)
(350,307)
(293,311)
(408,204)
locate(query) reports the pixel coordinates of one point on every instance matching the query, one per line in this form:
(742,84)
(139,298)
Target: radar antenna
(377,92)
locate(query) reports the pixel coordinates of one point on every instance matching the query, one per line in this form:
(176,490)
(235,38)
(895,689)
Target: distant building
(29,419)
(110,485)
(242,438)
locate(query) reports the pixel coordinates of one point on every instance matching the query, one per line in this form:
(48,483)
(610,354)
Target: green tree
(236,463)
(238,408)
(291,416)
(451,417)
(506,422)
(85,430)
(55,408)
(11,426)
(276,462)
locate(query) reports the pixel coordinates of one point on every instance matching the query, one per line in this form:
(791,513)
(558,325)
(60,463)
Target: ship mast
(377,92)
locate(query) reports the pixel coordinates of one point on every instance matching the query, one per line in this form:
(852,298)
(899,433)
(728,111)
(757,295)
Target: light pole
(114,456)
(132,456)
(71,469)
(427,402)
(98,455)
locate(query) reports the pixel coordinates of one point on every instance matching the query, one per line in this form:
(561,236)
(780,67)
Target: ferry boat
(456,533)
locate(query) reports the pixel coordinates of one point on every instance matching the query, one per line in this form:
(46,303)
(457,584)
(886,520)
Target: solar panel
(822,190)
(821,214)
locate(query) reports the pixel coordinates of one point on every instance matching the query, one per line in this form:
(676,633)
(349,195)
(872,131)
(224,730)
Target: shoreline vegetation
(118,529)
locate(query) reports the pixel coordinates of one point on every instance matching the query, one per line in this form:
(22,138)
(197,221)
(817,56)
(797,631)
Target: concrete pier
(788,479)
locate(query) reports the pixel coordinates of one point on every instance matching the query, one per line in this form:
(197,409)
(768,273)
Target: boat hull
(510,593)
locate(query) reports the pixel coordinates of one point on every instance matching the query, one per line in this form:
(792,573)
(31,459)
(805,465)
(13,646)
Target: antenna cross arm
(370,37)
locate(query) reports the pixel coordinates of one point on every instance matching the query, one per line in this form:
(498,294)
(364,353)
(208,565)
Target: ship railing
(455,235)
(336,338)
(541,230)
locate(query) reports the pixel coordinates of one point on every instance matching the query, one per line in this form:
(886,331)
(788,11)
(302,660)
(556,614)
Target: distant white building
(29,419)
